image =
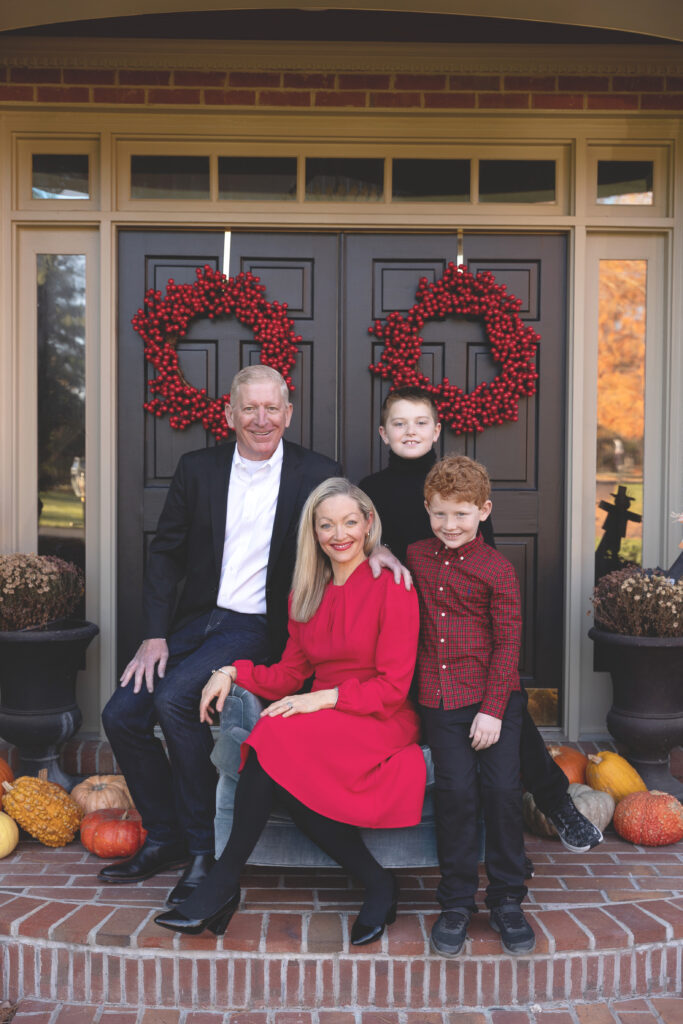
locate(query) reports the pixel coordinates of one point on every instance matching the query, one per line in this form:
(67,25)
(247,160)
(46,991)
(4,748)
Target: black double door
(336,285)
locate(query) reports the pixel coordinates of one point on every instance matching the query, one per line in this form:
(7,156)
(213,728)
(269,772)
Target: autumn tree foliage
(621,349)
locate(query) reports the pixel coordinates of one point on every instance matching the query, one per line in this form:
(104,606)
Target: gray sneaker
(516,934)
(450,931)
(576,832)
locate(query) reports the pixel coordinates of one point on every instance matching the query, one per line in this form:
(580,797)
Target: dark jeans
(540,775)
(176,794)
(457,797)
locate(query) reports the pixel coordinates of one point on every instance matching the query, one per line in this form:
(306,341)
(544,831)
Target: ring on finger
(290,705)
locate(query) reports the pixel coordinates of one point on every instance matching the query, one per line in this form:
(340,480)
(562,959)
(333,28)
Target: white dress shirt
(252,498)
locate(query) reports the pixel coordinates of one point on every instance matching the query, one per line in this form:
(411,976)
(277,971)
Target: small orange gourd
(649,819)
(613,774)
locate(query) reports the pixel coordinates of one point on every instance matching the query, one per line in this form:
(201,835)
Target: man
(228,530)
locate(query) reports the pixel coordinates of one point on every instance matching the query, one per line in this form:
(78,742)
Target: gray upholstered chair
(282,844)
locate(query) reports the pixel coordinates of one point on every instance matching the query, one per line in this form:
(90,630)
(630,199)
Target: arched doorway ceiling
(659,18)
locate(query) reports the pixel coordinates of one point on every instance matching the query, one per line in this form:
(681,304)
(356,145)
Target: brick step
(652,1010)
(609,925)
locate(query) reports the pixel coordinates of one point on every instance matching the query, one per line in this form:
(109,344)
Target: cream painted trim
(83,145)
(595,690)
(247,55)
(30,242)
(8,304)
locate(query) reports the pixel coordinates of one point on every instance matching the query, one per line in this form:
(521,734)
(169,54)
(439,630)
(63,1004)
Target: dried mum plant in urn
(36,590)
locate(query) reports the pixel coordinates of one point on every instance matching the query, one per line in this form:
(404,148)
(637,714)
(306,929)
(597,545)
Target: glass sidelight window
(60,287)
(628,388)
(620,442)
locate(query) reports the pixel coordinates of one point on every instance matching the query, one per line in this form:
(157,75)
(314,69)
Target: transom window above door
(533,177)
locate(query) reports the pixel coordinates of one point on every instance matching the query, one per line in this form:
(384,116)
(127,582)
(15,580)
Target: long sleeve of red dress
(358,762)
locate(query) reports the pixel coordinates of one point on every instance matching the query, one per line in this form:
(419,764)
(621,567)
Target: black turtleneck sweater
(397,493)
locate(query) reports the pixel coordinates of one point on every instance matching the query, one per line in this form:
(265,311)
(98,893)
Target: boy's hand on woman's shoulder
(484,731)
(382,558)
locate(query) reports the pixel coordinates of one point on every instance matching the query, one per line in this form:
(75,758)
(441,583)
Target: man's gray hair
(252,374)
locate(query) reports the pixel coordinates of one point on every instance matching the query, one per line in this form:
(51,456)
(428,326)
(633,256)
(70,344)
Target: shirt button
(443,666)
(440,588)
(443,615)
(446,563)
(462,558)
(442,640)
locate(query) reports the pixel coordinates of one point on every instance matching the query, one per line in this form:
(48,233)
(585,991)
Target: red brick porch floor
(609,949)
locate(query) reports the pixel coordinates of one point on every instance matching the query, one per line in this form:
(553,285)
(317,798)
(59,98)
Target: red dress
(358,762)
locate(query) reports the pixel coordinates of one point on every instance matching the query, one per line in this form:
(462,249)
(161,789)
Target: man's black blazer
(188,545)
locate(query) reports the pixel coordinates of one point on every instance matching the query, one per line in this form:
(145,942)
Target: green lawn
(62,508)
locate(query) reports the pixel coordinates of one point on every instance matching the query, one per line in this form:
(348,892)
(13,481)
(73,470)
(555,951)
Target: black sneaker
(450,931)
(516,934)
(577,833)
(528,867)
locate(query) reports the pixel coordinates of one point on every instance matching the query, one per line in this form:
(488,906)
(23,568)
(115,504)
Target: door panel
(147,448)
(301,270)
(381,273)
(525,459)
(335,285)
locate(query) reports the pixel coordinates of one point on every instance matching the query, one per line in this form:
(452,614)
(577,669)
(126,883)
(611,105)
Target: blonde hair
(313,569)
(252,374)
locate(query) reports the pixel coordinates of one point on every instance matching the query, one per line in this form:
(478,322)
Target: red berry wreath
(166,319)
(513,347)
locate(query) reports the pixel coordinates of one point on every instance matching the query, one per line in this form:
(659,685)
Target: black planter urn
(38,709)
(646,716)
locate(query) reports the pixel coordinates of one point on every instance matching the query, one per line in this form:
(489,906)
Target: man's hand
(484,731)
(301,704)
(217,688)
(150,654)
(382,558)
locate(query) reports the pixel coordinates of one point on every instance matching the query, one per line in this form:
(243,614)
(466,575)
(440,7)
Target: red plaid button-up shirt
(470,625)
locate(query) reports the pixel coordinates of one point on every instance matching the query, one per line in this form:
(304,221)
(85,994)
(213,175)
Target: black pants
(457,796)
(540,775)
(254,798)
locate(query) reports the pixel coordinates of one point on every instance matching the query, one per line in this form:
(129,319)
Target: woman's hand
(302,704)
(217,688)
(484,731)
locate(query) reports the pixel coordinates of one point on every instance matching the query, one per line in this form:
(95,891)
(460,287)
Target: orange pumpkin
(649,819)
(613,774)
(113,832)
(572,762)
(101,791)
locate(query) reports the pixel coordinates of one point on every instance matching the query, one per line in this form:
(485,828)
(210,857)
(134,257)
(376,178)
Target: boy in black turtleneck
(410,427)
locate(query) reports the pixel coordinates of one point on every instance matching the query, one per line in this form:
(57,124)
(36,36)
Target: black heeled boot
(217,922)
(363,932)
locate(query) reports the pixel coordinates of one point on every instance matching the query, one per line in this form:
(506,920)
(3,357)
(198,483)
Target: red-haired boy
(471,704)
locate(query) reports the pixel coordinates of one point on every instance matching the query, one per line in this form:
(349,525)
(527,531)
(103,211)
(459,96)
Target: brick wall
(340,90)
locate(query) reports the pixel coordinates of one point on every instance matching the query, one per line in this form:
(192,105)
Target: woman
(344,755)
